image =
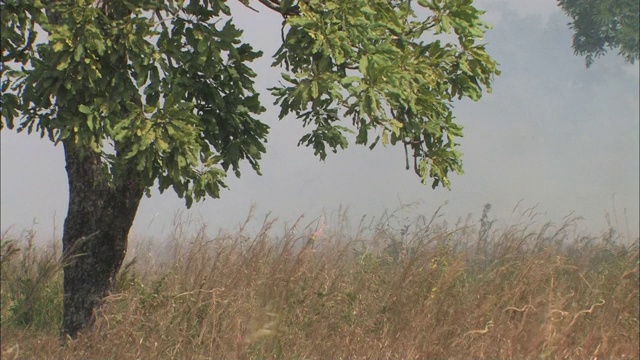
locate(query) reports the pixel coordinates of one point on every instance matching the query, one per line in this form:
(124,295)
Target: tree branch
(272,4)
(275,6)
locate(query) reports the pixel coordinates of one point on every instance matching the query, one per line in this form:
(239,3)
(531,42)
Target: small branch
(249,6)
(273,5)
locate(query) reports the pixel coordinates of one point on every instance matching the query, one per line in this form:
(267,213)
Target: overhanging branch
(273,5)
(276,6)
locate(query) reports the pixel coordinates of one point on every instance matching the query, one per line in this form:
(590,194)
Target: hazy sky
(552,134)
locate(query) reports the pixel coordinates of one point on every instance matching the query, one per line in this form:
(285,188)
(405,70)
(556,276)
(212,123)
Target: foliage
(369,59)
(165,86)
(601,25)
(159,85)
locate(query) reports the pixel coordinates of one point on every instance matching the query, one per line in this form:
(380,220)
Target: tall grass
(31,280)
(388,290)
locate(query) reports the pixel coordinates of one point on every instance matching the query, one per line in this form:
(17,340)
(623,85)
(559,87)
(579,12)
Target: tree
(601,25)
(145,92)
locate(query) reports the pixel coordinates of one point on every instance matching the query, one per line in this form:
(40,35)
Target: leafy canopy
(600,25)
(165,87)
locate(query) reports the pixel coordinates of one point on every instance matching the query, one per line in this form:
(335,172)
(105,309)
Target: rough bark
(101,211)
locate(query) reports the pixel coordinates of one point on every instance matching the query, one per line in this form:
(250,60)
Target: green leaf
(202,45)
(57,47)
(84,109)
(100,47)
(90,123)
(364,64)
(64,63)
(79,52)
(446,25)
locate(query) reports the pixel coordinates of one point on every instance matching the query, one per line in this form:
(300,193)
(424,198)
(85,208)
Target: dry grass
(421,292)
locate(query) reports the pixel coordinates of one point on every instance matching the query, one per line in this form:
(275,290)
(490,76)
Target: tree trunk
(101,211)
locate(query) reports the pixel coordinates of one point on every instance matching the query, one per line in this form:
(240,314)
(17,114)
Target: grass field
(424,290)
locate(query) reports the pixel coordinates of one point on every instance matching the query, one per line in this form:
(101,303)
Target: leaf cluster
(159,86)
(373,61)
(600,25)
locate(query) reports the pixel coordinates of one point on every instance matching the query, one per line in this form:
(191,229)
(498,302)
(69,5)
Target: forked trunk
(101,212)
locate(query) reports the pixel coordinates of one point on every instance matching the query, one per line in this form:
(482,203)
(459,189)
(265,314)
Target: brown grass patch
(425,292)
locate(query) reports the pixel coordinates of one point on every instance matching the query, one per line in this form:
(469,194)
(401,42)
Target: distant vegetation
(423,290)
(603,25)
